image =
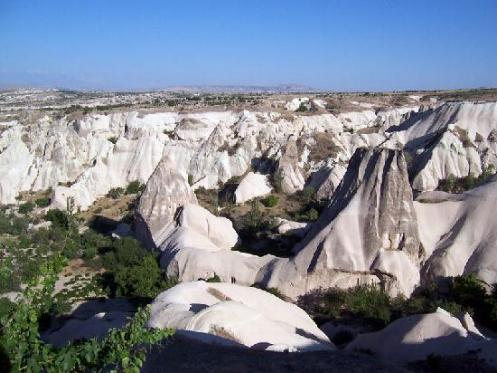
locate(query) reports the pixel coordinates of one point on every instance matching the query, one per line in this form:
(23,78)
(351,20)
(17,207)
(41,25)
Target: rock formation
(166,191)
(253,185)
(232,314)
(368,233)
(463,240)
(416,337)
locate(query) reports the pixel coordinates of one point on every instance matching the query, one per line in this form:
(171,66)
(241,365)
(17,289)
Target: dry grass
(223,333)
(218,294)
(324,147)
(33,196)
(114,209)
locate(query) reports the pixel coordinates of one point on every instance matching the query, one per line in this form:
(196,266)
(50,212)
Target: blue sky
(327,44)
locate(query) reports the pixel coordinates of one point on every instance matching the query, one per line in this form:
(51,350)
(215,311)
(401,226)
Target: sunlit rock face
(463,239)
(166,191)
(365,163)
(367,233)
(237,315)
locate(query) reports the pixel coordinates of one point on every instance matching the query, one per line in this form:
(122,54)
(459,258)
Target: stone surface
(416,337)
(367,233)
(166,191)
(236,315)
(463,240)
(253,185)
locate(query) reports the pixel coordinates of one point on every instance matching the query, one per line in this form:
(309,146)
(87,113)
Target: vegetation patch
(372,306)
(460,185)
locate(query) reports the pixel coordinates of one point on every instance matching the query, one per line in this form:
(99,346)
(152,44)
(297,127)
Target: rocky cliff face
(463,241)
(370,232)
(367,233)
(167,190)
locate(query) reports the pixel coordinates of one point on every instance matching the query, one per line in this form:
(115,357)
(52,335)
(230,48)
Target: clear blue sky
(328,44)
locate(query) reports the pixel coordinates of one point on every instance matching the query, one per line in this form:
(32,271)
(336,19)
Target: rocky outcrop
(327,180)
(463,240)
(291,228)
(218,230)
(449,139)
(368,233)
(166,191)
(236,315)
(199,247)
(289,170)
(414,338)
(253,185)
(91,319)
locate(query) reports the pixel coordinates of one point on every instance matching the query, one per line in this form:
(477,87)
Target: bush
(26,208)
(270,201)
(133,271)
(23,350)
(135,187)
(253,219)
(113,139)
(308,194)
(302,108)
(366,302)
(42,202)
(58,218)
(214,278)
(459,185)
(115,193)
(6,307)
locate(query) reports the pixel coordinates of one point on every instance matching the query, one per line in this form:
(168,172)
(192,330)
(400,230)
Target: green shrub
(214,278)
(459,185)
(253,220)
(42,202)
(276,292)
(115,193)
(133,271)
(6,307)
(26,208)
(302,108)
(270,201)
(113,139)
(59,218)
(366,302)
(190,180)
(308,194)
(19,225)
(135,187)
(23,350)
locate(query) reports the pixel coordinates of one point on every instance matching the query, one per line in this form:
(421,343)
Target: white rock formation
(416,337)
(367,234)
(166,191)
(464,238)
(199,247)
(289,170)
(253,185)
(295,103)
(233,314)
(218,230)
(294,228)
